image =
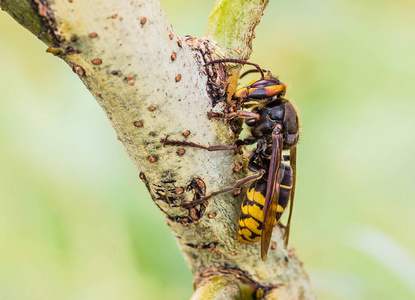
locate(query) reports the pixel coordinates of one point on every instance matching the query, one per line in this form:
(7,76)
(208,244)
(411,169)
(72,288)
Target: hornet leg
(238,113)
(236,144)
(238,185)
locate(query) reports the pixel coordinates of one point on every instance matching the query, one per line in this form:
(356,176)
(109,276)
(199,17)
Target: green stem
(223,287)
(231,25)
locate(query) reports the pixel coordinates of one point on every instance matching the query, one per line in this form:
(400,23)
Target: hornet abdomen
(250,221)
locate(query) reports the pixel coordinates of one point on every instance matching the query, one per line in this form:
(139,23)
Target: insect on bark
(274,127)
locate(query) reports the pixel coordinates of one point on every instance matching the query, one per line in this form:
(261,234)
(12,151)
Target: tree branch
(151,85)
(232,23)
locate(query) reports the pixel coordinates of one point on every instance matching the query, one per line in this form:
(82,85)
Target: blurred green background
(77,223)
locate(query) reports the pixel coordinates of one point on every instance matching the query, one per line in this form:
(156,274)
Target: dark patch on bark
(198,186)
(174,196)
(41,7)
(166,195)
(203,246)
(71,50)
(78,70)
(169,181)
(216,84)
(144,179)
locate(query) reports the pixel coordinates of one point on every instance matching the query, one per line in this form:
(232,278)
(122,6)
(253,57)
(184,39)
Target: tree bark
(151,84)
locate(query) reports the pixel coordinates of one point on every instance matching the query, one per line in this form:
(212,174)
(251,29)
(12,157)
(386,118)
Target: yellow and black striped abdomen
(250,221)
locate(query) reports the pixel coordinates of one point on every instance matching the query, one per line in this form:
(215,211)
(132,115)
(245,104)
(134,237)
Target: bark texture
(152,84)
